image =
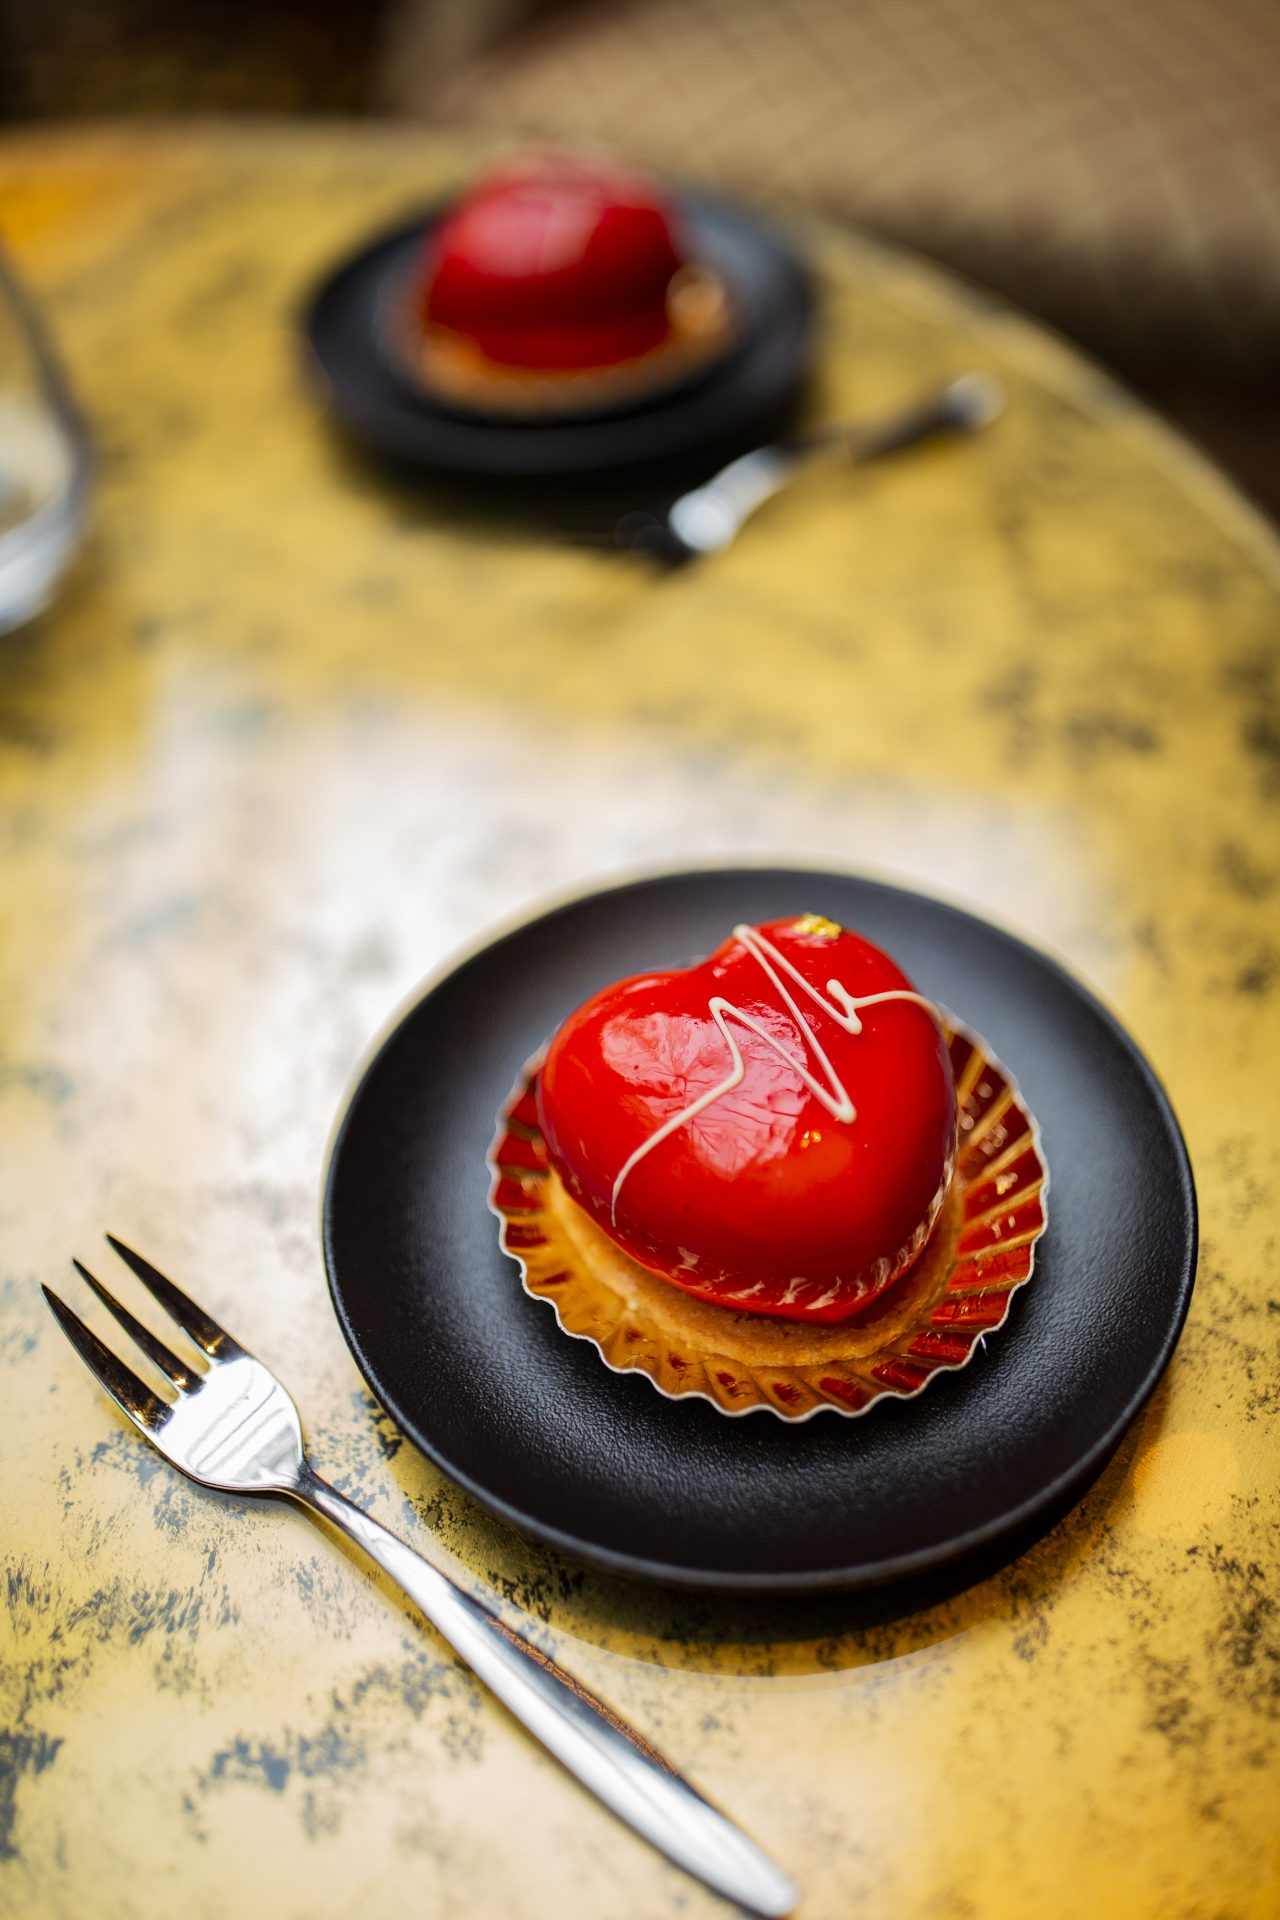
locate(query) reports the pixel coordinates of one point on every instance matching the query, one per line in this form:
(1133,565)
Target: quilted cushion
(1114,167)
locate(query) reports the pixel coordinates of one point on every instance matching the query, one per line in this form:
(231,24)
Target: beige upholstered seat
(1114,165)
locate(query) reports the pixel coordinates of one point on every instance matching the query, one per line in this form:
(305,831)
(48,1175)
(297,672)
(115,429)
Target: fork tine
(146,1409)
(192,1319)
(156,1351)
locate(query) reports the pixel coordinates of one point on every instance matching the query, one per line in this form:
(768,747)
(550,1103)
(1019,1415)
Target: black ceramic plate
(538,1428)
(735,400)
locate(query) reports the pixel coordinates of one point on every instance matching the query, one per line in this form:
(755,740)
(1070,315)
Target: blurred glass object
(44,460)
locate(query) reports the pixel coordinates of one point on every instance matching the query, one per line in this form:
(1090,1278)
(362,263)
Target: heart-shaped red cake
(555,264)
(773,1130)
(560,281)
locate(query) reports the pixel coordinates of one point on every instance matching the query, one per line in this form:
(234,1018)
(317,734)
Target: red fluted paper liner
(932,1319)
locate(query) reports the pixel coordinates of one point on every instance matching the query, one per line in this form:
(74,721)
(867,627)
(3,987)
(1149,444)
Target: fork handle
(587,1737)
(710,516)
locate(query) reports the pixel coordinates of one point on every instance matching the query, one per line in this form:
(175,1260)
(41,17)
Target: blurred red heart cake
(562,281)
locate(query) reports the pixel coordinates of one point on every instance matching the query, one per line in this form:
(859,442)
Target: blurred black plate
(734,401)
(538,1428)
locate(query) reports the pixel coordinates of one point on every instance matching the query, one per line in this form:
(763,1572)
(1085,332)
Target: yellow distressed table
(289,737)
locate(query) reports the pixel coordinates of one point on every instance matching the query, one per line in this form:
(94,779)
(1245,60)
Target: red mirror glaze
(763,1200)
(557,264)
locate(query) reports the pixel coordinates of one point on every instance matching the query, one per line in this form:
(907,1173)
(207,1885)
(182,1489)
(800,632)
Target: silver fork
(233,1426)
(712,515)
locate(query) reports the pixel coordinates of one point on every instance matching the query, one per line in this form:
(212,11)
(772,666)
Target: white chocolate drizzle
(841,1006)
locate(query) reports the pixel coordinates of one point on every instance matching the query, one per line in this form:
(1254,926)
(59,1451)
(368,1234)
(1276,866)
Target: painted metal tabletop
(290,736)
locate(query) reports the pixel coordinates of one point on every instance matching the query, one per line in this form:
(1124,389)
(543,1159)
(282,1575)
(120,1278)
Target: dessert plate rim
(1050,1495)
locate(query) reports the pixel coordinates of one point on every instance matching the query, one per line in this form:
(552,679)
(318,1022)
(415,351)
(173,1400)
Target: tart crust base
(702,324)
(934,1317)
(752,1339)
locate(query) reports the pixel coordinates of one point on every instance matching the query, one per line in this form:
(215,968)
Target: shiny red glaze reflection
(762,1201)
(557,264)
